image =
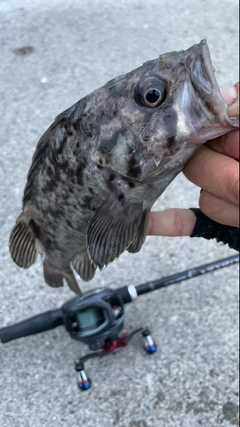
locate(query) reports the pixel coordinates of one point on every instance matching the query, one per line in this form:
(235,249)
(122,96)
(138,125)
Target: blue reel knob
(149,345)
(84,383)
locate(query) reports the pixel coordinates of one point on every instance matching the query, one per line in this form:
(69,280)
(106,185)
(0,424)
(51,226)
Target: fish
(101,165)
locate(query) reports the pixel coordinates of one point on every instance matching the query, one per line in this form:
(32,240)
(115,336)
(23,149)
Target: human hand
(213,168)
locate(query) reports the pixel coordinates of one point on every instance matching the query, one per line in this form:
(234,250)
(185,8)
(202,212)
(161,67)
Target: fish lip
(207,75)
(202,76)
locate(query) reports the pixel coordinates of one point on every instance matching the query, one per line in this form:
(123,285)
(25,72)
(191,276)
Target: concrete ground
(53,53)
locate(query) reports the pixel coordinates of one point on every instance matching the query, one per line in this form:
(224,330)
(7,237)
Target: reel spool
(94,318)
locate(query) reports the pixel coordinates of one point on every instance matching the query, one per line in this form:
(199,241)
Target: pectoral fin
(84,266)
(140,237)
(112,229)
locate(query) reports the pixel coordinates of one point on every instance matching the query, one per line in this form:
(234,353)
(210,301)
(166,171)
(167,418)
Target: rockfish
(101,165)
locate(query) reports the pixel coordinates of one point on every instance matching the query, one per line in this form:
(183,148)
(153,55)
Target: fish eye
(150,92)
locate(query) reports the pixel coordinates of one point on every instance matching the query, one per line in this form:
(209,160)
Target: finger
(171,222)
(219,210)
(227,144)
(231,97)
(233,109)
(215,173)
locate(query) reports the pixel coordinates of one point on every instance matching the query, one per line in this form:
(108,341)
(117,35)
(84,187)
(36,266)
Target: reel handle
(34,325)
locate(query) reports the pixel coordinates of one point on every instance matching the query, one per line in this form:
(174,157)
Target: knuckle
(207,204)
(178,224)
(234,190)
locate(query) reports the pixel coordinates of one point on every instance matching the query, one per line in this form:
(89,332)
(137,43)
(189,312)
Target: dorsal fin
(22,243)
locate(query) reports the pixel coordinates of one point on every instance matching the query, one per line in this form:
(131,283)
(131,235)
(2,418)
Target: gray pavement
(74,47)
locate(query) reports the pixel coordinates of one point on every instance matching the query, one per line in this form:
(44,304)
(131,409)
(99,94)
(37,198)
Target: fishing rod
(97,317)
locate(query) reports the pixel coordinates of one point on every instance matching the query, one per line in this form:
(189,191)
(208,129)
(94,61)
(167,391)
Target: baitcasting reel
(97,318)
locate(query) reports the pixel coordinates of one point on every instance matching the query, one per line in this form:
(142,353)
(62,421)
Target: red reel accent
(114,344)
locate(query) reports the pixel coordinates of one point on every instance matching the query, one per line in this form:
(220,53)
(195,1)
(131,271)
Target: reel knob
(84,383)
(149,345)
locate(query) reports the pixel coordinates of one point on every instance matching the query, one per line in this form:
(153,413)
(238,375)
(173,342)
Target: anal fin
(72,281)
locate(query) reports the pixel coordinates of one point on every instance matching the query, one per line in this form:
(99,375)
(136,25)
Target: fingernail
(229,95)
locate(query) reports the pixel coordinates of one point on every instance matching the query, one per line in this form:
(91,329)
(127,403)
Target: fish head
(157,115)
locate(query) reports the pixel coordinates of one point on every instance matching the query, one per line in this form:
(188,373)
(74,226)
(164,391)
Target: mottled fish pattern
(101,165)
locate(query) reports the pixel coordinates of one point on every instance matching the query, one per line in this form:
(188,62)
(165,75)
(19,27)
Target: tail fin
(54,277)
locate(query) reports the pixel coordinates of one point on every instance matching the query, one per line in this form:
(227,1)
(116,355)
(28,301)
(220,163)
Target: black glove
(209,229)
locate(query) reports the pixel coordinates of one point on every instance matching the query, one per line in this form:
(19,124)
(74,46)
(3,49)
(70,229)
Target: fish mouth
(202,76)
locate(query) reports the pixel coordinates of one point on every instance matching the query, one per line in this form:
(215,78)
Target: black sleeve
(209,229)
